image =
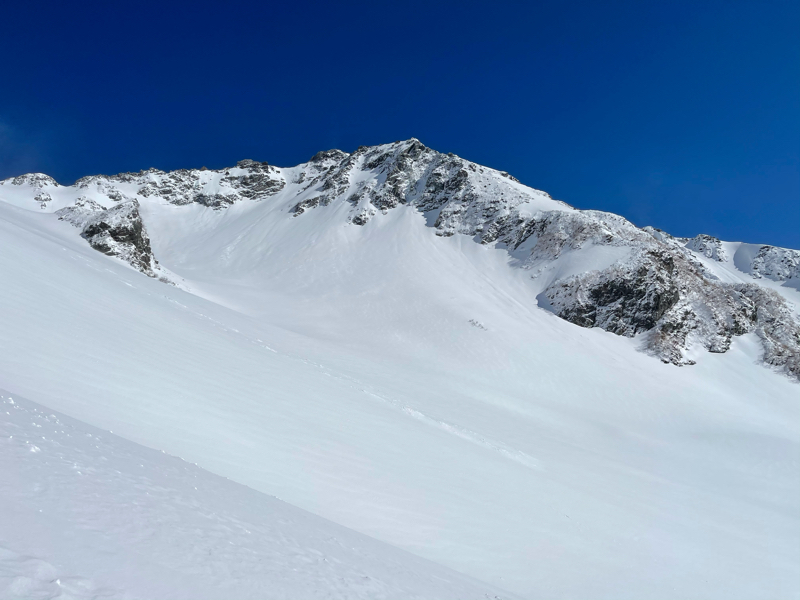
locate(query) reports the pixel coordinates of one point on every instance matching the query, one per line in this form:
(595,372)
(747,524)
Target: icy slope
(406,383)
(87,514)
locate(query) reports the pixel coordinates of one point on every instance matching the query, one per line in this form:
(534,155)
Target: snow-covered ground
(87,514)
(395,382)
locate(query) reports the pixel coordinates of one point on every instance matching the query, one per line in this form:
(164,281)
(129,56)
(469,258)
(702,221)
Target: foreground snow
(87,514)
(408,386)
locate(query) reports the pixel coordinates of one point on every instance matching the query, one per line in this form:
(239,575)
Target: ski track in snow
(461,432)
(465,434)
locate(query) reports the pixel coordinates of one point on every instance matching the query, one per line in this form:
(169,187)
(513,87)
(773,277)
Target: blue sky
(680,115)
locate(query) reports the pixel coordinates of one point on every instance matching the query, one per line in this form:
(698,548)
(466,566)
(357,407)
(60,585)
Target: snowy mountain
(630,281)
(374,338)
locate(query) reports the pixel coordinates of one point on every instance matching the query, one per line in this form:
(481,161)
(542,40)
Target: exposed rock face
(249,180)
(43,198)
(778,264)
(660,289)
(641,282)
(35,180)
(260,181)
(774,323)
(460,196)
(708,246)
(117,231)
(667,296)
(627,299)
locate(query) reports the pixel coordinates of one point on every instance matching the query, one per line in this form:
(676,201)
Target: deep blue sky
(680,115)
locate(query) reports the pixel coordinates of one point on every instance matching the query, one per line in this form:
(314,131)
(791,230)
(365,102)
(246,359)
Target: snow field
(79,501)
(340,368)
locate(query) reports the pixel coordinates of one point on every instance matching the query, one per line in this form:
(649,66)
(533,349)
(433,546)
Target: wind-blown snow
(401,380)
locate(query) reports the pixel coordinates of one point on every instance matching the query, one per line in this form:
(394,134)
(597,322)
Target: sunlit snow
(400,386)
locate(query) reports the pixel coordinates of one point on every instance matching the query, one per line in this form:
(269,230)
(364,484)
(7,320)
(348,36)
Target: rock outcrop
(708,246)
(778,264)
(249,180)
(116,231)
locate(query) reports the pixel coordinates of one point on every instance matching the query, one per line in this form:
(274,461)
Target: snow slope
(400,379)
(78,500)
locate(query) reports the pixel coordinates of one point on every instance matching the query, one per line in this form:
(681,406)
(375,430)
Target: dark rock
(119,231)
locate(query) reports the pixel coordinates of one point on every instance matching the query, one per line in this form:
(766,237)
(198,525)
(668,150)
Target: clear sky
(680,115)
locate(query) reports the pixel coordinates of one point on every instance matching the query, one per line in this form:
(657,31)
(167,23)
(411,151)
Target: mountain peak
(637,283)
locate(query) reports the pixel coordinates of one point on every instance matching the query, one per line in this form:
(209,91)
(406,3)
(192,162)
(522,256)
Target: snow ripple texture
(107,506)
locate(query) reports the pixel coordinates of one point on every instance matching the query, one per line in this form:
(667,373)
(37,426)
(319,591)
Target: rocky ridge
(654,285)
